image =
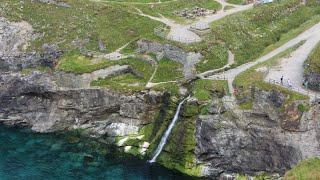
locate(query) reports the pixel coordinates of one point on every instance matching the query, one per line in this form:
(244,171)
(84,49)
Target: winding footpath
(115,55)
(293,67)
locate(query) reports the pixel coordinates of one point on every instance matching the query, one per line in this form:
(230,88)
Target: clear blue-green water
(27,155)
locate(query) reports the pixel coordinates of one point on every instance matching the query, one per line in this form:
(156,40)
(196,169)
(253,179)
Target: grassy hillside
(248,34)
(313,61)
(80,26)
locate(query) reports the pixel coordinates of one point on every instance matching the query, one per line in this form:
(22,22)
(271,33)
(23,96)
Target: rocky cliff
(265,139)
(37,102)
(313,79)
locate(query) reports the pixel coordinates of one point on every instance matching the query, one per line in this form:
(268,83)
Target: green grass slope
(313,61)
(306,170)
(82,25)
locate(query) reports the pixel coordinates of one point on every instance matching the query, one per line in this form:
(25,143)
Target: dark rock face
(35,101)
(260,141)
(313,80)
(232,148)
(20,61)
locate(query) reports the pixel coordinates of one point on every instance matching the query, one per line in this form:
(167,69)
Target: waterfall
(167,133)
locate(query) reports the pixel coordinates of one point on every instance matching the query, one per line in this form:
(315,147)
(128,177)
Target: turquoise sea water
(26,155)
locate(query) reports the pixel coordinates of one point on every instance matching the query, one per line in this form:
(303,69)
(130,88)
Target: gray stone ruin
(193,12)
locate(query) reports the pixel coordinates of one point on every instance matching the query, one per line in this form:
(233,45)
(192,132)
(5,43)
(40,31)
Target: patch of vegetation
(306,169)
(171,87)
(134,151)
(240,2)
(179,151)
(313,62)
(139,1)
(82,25)
(154,131)
(302,108)
(246,105)
(227,7)
(167,9)
(214,57)
(129,81)
(125,82)
(28,71)
(168,70)
(204,89)
(292,33)
(247,34)
(73,62)
(252,79)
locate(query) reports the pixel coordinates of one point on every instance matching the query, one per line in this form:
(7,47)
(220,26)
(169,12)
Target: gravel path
(291,68)
(312,36)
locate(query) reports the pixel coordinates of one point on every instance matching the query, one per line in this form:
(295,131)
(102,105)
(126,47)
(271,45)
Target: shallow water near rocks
(27,155)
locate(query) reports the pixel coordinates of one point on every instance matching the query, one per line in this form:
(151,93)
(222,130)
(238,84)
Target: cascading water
(167,133)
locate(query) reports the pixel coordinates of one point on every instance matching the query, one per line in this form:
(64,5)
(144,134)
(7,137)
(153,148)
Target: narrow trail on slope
(311,35)
(115,55)
(149,84)
(231,61)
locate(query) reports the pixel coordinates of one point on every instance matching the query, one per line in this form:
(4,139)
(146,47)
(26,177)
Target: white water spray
(167,133)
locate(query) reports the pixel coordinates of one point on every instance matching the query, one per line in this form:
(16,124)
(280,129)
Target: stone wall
(187,59)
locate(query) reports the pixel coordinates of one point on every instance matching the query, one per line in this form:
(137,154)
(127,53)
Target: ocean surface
(33,156)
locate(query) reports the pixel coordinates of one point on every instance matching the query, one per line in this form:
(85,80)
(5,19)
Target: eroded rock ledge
(37,102)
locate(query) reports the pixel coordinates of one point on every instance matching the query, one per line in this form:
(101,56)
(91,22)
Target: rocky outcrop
(187,59)
(20,61)
(36,101)
(14,39)
(313,80)
(14,36)
(260,141)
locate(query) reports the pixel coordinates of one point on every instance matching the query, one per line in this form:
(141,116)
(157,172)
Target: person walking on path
(281,80)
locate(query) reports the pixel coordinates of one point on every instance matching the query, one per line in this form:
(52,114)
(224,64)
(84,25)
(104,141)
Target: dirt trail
(115,55)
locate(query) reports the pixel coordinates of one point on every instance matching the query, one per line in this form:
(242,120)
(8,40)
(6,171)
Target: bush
(301,108)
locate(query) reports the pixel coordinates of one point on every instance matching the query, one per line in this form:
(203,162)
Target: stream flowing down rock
(166,135)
